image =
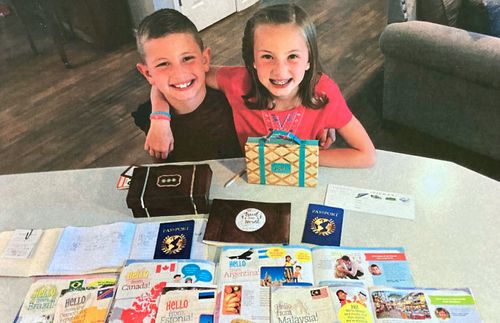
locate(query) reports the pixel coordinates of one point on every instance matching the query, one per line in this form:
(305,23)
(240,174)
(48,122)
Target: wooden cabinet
(203,13)
(106,24)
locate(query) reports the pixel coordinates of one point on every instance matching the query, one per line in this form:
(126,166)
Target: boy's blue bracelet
(162,113)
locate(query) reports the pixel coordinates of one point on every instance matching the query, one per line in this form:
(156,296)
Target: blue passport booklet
(174,240)
(323,225)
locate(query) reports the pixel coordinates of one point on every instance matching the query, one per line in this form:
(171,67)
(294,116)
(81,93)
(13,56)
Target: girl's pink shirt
(305,123)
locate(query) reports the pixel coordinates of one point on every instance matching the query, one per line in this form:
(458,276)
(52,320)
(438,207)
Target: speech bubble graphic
(190,270)
(201,275)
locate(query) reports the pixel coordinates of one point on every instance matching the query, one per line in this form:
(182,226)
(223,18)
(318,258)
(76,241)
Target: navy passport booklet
(323,225)
(174,240)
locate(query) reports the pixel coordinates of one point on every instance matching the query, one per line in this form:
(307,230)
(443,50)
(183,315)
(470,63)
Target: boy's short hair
(162,23)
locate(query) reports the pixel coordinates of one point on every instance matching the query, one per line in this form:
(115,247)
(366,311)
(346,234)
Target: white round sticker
(250,220)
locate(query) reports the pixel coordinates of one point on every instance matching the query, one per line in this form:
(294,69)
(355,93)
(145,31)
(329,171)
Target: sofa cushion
(444,12)
(493,8)
(474,17)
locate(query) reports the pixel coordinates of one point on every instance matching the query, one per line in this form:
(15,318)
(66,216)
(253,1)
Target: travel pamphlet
(86,305)
(44,294)
(351,303)
(255,284)
(348,303)
(246,273)
(142,282)
(187,305)
(296,304)
(321,304)
(424,304)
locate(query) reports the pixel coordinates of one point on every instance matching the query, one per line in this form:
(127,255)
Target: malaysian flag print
(319,293)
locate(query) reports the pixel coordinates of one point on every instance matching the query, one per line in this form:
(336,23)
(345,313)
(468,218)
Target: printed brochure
(347,304)
(424,304)
(44,293)
(187,305)
(246,273)
(142,282)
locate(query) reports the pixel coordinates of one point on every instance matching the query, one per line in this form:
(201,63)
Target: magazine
(142,282)
(43,295)
(104,248)
(85,305)
(301,304)
(246,273)
(186,304)
(351,303)
(346,303)
(424,304)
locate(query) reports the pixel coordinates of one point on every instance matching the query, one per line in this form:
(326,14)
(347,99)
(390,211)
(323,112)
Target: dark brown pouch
(266,223)
(169,190)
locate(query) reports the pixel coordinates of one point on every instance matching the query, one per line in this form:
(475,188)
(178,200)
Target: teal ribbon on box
(282,137)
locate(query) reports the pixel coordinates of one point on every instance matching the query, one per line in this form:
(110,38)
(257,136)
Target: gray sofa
(442,80)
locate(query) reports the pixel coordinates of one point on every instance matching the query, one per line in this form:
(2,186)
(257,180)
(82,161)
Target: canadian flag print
(165,267)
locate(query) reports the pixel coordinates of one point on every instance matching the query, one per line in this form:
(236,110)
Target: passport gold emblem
(174,244)
(322,226)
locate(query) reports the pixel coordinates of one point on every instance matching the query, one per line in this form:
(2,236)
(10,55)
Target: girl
(282,87)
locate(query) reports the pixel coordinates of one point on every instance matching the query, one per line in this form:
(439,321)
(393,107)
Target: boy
(174,62)
(297,274)
(375,270)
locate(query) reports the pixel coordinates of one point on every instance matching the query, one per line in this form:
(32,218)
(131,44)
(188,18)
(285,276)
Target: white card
(370,201)
(22,243)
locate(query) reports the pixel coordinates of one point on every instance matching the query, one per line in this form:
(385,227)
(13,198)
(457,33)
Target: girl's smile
(280,83)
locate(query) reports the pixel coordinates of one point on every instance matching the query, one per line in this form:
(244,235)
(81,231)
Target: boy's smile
(182,86)
(281,60)
(176,65)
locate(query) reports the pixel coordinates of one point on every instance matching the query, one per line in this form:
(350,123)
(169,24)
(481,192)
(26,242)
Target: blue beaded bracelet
(161,113)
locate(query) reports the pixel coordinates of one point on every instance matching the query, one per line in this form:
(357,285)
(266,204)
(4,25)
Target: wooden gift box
(169,190)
